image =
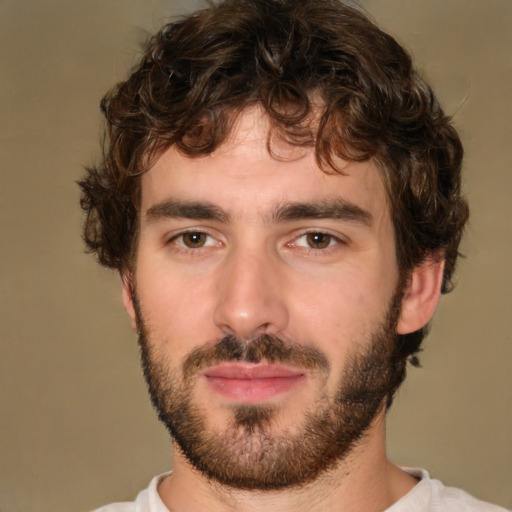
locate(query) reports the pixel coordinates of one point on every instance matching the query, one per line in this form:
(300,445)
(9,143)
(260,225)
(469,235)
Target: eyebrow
(338,209)
(185,210)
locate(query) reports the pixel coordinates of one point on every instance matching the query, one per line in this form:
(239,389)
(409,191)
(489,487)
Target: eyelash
(179,236)
(332,244)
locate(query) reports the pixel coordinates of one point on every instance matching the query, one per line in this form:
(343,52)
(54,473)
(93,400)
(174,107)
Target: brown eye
(318,240)
(194,240)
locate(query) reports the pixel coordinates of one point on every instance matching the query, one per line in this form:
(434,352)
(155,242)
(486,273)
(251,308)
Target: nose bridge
(249,302)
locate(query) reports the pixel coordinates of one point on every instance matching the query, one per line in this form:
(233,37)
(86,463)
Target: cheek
(339,311)
(176,307)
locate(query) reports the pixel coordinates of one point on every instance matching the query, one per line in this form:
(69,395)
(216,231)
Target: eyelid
(337,238)
(173,237)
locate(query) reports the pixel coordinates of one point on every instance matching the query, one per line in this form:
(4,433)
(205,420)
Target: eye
(193,240)
(316,240)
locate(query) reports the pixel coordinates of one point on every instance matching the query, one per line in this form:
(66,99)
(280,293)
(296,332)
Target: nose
(251,295)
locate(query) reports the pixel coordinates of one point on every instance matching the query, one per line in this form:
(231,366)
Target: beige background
(76,428)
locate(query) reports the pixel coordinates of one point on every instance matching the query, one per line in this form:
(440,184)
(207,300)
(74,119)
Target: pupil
(319,240)
(194,239)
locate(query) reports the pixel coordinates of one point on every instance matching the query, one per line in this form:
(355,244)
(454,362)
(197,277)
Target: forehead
(254,169)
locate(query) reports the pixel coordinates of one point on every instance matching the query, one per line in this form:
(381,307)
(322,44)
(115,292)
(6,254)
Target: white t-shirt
(428,495)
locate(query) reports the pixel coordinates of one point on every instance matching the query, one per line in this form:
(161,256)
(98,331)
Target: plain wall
(76,427)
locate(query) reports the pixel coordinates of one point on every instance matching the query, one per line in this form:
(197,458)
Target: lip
(252,383)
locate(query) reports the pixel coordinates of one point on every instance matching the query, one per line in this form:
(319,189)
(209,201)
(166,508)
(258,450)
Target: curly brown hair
(296,59)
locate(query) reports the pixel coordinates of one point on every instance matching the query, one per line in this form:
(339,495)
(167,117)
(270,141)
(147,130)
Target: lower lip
(252,390)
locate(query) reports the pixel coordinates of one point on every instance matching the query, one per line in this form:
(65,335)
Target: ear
(421,295)
(127,292)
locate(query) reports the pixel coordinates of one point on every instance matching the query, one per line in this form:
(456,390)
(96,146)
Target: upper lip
(251,371)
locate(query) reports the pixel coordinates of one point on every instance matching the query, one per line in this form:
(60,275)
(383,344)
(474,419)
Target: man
(280,193)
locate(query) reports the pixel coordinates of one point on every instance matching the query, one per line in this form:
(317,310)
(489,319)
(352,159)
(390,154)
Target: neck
(365,480)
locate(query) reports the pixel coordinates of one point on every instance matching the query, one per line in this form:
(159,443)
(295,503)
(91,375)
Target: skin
(254,273)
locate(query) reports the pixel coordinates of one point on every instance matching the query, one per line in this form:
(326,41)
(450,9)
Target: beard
(248,453)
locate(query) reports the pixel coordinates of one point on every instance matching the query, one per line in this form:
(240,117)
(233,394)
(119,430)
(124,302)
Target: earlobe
(421,295)
(127,292)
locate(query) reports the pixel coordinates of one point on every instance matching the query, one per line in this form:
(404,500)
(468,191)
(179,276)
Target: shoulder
(431,495)
(148,500)
(127,506)
(450,498)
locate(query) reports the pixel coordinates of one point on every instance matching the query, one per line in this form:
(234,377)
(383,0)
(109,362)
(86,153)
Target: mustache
(267,347)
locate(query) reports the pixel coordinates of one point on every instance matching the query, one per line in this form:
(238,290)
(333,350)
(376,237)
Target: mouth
(252,383)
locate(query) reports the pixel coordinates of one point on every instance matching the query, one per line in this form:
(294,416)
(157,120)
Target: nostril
(263,328)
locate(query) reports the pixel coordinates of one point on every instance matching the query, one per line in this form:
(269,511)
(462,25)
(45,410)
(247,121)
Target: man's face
(266,300)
